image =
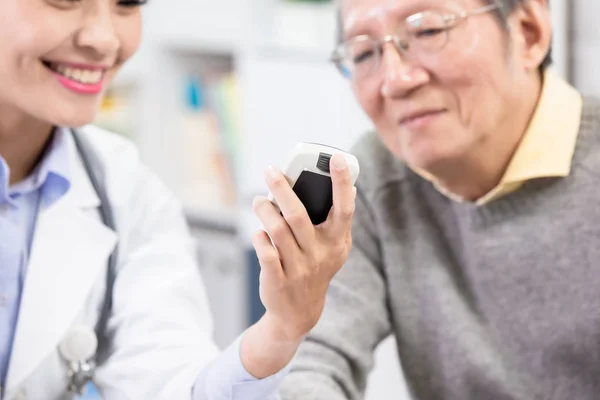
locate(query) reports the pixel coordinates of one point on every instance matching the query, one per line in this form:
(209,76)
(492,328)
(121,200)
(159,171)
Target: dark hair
(506,8)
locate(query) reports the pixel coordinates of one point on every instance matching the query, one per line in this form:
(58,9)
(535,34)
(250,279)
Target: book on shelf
(209,142)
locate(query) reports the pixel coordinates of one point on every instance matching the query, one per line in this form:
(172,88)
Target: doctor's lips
(79,78)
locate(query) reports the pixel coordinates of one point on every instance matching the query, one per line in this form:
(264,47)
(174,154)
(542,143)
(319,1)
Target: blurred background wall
(221,89)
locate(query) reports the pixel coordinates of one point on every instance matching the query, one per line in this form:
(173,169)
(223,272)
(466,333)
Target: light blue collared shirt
(225,379)
(19,205)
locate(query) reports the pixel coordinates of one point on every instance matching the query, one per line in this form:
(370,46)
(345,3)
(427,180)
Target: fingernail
(354,191)
(272,173)
(339,162)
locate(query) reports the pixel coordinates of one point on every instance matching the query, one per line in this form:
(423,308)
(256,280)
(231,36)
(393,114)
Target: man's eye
(362,57)
(121,3)
(424,33)
(132,3)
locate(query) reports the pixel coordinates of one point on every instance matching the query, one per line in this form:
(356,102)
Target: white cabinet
(287,100)
(585,46)
(224,274)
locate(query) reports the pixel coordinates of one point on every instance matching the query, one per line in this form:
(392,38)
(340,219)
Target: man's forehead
(354,11)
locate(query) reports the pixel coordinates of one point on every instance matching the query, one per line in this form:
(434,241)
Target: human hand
(298,260)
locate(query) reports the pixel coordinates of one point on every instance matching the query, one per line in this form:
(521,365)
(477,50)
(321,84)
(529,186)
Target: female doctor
(76,204)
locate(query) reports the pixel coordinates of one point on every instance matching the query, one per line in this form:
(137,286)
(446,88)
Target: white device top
(315,158)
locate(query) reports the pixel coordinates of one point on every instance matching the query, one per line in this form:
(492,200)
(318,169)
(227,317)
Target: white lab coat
(161,325)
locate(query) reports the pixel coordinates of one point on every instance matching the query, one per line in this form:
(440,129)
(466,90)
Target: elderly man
(475,237)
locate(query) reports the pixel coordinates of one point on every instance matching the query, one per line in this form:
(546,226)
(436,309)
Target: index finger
(342,212)
(291,208)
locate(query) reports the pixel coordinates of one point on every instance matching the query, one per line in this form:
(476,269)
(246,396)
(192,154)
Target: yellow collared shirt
(546,149)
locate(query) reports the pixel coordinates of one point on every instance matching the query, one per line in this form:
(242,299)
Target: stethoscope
(82,349)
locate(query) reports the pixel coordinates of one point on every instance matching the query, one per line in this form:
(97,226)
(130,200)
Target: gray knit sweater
(493,302)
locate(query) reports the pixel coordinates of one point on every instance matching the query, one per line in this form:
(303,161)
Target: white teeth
(96,76)
(80,75)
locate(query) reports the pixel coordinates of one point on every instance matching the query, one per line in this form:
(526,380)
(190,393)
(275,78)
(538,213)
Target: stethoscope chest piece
(78,349)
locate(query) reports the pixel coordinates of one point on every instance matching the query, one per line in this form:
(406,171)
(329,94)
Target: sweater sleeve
(336,358)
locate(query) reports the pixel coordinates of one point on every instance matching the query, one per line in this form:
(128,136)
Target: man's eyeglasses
(424,32)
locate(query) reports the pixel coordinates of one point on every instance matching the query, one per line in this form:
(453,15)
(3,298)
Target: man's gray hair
(506,7)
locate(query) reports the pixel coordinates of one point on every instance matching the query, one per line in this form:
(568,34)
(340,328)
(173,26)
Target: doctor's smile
(80,78)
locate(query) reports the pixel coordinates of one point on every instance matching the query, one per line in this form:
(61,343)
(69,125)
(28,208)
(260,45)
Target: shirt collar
(52,174)
(547,147)
(548,144)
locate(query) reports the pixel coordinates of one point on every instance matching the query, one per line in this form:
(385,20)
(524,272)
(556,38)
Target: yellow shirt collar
(546,149)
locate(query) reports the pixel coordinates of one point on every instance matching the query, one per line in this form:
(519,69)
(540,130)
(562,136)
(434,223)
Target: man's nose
(400,76)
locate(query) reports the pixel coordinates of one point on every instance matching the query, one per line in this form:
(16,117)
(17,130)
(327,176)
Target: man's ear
(531,31)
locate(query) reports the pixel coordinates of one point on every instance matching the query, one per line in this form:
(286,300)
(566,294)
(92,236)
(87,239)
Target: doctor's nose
(400,76)
(98,34)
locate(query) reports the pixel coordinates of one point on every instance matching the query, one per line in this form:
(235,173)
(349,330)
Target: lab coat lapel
(68,257)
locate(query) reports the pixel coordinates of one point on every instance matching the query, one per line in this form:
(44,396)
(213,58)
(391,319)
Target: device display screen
(316,193)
